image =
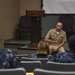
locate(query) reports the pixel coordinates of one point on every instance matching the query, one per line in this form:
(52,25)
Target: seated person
(69,56)
(8,59)
(56,38)
(42,51)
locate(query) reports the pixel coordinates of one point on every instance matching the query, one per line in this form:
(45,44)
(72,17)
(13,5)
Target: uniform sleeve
(50,58)
(33,55)
(48,34)
(63,57)
(14,60)
(8,59)
(65,37)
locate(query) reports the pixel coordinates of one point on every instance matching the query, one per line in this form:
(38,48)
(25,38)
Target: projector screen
(58,6)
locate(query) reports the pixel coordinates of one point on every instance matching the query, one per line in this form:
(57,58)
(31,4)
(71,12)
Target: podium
(35,26)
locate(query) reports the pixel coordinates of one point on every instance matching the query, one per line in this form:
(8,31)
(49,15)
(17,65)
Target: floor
(19,46)
(16,42)
(22,46)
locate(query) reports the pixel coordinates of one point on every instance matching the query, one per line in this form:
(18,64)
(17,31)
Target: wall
(10,12)
(48,22)
(29,5)
(9,16)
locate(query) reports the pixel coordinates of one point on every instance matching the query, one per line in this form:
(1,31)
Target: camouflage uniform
(57,38)
(8,59)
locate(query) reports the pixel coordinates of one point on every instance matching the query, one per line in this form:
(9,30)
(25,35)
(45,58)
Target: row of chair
(55,66)
(22,55)
(37,71)
(42,60)
(14,71)
(30,64)
(50,72)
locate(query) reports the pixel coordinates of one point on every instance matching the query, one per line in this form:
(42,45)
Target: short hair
(71,42)
(59,22)
(43,47)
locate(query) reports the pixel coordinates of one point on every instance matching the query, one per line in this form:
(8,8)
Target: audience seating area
(40,66)
(30,69)
(43,63)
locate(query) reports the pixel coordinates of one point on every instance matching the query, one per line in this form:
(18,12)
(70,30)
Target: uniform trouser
(51,47)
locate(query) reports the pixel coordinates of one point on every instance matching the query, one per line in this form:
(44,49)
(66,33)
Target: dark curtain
(68,24)
(23,30)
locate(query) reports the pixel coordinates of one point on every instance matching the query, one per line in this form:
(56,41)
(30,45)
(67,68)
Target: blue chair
(22,55)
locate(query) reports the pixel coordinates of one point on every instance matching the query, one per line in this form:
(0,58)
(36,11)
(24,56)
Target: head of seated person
(8,59)
(71,43)
(42,49)
(63,57)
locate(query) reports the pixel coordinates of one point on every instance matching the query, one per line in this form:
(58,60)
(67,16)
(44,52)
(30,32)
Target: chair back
(55,66)
(31,65)
(22,55)
(43,60)
(50,72)
(14,71)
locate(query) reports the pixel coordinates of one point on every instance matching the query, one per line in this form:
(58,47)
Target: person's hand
(49,41)
(55,49)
